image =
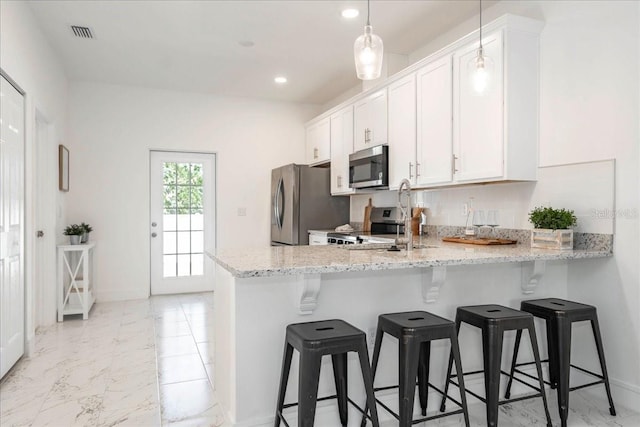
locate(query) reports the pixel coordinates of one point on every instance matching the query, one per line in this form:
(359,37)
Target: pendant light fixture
(368,50)
(480,68)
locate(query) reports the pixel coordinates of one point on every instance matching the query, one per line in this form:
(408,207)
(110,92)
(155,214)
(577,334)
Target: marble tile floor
(150,363)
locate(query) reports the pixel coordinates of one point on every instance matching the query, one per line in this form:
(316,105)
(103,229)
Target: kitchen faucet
(405,188)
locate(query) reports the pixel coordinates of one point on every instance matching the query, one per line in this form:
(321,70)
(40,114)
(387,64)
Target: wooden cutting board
(479,241)
(366,224)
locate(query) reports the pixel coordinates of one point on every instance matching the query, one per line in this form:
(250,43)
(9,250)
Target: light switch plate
(242,211)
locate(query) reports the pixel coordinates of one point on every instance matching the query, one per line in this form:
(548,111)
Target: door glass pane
(197,264)
(184,243)
(169,266)
(196,197)
(183,173)
(183,198)
(184,223)
(196,174)
(197,219)
(184,265)
(169,221)
(169,242)
(197,244)
(169,173)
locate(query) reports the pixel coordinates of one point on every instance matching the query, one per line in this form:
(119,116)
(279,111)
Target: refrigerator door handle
(276,204)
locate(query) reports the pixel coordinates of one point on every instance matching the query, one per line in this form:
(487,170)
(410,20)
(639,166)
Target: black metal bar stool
(314,340)
(494,320)
(559,314)
(415,330)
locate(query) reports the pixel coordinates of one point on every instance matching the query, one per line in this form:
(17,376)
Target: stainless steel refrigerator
(300,201)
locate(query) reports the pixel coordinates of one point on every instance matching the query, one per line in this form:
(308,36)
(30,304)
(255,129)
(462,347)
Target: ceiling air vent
(82,32)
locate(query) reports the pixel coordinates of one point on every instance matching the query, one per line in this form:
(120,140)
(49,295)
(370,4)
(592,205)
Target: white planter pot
(552,239)
(75,239)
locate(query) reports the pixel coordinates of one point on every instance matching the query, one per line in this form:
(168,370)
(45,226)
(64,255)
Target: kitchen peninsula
(259,291)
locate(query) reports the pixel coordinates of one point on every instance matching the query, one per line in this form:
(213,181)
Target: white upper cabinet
(402,131)
(341,147)
(434,125)
(318,142)
(495,135)
(370,121)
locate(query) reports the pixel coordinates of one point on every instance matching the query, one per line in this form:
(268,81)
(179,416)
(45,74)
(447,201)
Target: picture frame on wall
(63,168)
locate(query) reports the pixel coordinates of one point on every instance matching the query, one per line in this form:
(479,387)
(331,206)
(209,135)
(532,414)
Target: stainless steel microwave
(369,168)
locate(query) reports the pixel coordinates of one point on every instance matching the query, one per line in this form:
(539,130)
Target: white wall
(589,110)
(112,129)
(27,58)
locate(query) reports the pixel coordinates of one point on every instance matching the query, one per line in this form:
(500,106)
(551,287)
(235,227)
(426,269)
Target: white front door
(182,225)
(11,225)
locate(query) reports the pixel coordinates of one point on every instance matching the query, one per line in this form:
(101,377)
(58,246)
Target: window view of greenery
(183,244)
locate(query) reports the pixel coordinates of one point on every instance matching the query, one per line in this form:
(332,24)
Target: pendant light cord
(480,24)
(368,23)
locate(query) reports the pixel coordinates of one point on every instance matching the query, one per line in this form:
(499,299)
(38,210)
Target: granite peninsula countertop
(296,260)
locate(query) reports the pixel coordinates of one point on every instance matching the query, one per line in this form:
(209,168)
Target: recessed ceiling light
(280,80)
(246,43)
(350,13)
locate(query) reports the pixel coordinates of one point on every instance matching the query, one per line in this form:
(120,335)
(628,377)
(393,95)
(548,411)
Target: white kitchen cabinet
(434,127)
(370,121)
(318,137)
(495,135)
(402,131)
(341,147)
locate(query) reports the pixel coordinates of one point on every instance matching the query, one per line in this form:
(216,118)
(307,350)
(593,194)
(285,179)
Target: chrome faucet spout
(405,210)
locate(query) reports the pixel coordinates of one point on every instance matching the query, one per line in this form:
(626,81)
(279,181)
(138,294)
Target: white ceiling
(194,45)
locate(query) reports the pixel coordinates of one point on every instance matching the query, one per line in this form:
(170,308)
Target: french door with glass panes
(182,225)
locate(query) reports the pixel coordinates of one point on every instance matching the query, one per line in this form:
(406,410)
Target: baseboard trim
(121,295)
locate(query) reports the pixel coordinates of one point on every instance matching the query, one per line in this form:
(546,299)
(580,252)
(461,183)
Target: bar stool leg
(443,404)
(284,378)
(552,350)
(492,351)
(596,334)
(563,346)
(374,367)
(516,348)
(368,384)
(536,357)
(408,370)
(455,353)
(309,376)
(340,377)
(423,374)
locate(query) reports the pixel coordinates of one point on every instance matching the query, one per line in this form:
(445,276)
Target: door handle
(154,234)
(153,224)
(39,233)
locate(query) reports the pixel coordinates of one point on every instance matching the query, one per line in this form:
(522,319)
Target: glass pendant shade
(368,51)
(480,70)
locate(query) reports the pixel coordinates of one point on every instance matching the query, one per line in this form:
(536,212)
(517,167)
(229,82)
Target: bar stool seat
(494,321)
(313,340)
(559,315)
(415,330)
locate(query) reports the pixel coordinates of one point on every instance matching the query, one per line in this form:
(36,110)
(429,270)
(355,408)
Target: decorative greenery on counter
(553,219)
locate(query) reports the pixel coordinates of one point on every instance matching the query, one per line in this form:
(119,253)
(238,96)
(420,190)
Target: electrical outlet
(465,209)
(242,211)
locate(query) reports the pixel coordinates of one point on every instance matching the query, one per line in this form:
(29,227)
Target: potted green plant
(552,228)
(85,235)
(74,231)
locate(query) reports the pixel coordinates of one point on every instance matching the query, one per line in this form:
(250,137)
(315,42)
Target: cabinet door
(341,147)
(378,118)
(434,133)
(478,119)
(317,143)
(370,121)
(402,131)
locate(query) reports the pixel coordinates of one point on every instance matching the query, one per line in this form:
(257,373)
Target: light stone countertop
(296,260)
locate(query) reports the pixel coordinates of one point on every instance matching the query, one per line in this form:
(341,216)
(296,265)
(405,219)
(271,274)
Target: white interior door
(11,225)
(182,229)
(46,181)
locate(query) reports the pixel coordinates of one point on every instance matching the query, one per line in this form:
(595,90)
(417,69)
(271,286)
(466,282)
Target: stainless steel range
(386,225)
